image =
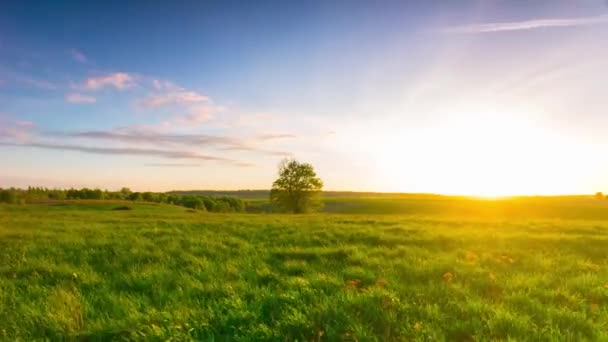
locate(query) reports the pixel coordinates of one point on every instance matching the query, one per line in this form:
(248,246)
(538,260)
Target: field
(375,269)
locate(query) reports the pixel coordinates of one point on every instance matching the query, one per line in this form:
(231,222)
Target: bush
(8,196)
(192,202)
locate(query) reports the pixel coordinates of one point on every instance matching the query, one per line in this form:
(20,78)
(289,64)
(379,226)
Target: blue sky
(469,97)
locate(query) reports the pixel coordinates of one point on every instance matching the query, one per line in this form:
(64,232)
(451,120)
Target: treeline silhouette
(40,195)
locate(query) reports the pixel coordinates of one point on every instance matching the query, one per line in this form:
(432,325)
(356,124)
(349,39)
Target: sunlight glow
(483,153)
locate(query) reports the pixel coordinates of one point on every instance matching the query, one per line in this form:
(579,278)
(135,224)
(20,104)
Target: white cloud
(526,25)
(79,98)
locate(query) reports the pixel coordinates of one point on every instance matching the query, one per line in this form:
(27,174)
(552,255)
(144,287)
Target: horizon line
(490,197)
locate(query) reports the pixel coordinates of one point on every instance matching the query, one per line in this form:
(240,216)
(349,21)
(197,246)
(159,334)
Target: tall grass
(84,271)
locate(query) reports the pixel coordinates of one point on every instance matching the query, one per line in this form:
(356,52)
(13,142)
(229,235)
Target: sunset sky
(454,97)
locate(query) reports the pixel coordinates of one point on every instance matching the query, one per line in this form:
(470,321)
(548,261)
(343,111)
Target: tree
(298,189)
(599,195)
(193,202)
(125,192)
(8,196)
(134,196)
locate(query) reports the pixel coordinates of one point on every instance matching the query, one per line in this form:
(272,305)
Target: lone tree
(298,189)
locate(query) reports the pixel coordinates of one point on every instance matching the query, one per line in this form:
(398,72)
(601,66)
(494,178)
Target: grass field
(562,207)
(499,271)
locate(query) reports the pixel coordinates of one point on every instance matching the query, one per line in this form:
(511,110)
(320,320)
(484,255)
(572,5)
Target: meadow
(368,269)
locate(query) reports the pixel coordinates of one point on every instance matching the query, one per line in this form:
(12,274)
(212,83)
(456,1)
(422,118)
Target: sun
(487,154)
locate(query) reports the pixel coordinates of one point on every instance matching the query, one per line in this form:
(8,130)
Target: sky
(453,97)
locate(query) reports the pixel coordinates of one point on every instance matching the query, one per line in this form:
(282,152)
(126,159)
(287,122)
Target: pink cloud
(119,80)
(79,98)
(78,56)
(19,131)
(195,117)
(24,124)
(176,97)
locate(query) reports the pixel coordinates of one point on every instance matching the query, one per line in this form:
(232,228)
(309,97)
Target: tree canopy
(298,189)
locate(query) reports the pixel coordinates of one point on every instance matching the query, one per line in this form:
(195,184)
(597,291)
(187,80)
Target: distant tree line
(39,194)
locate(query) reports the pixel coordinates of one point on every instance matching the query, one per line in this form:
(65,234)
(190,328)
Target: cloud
(222,143)
(164,85)
(169,154)
(78,56)
(173,97)
(157,84)
(259,150)
(526,25)
(196,116)
(155,138)
(171,165)
(19,131)
(8,132)
(265,137)
(79,98)
(119,80)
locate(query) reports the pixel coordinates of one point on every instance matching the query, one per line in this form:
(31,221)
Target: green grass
(83,271)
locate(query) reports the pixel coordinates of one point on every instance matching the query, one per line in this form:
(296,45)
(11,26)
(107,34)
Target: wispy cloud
(24,124)
(173,97)
(264,137)
(169,154)
(526,25)
(171,165)
(164,85)
(221,143)
(79,56)
(154,137)
(119,80)
(79,98)
(197,116)
(256,149)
